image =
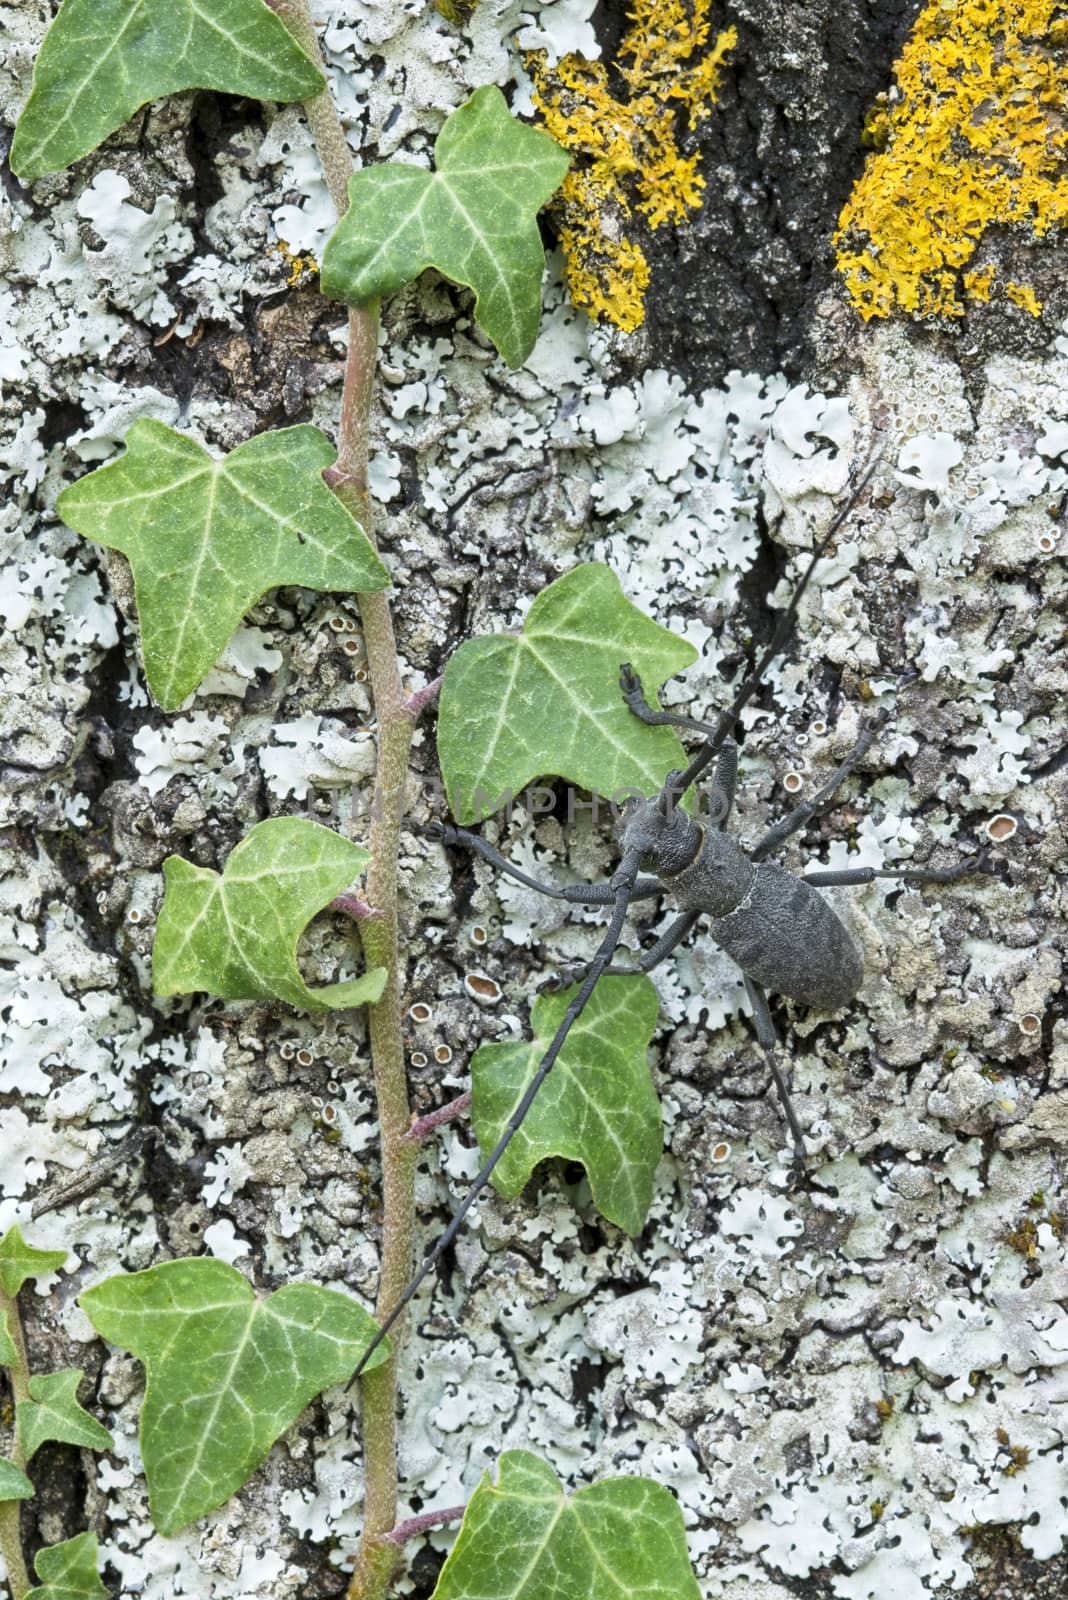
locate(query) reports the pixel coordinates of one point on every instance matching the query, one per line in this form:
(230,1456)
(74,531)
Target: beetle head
(666,837)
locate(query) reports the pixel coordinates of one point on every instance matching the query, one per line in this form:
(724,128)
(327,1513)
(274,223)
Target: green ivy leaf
(597,1106)
(103,59)
(68,1571)
(19,1260)
(235,933)
(14,1484)
(474,219)
(515,707)
(53,1412)
(207,538)
(8,1352)
(227,1373)
(621,1539)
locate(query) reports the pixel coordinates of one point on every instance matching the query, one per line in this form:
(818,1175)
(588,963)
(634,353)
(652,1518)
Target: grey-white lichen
(823,1376)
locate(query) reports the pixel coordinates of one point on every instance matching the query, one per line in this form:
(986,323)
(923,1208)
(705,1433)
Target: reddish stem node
(353,906)
(414,1526)
(419,699)
(423,1127)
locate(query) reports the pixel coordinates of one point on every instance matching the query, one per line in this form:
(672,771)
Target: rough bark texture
(780,157)
(831,1375)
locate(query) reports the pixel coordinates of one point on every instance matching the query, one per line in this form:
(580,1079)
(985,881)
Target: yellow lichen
(626,151)
(1022,295)
(976,137)
(298,268)
(978,284)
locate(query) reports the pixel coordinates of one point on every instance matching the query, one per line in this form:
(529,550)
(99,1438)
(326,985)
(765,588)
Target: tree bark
(824,1371)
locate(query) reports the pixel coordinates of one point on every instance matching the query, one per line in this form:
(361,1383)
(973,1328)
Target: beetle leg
(585,894)
(771,1044)
(630,686)
(575,971)
(795,820)
(672,936)
(846,875)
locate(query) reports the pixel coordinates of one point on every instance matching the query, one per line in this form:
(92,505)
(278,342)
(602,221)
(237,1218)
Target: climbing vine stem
(18,1372)
(377,1557)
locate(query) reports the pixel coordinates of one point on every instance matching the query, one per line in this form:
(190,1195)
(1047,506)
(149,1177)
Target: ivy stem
(18,1578)
(376,1558)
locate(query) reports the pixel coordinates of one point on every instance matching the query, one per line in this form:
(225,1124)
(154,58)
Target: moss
(1023,1236)
(976,137)
(456,11)
(995,1540)
(1018,1454)
(627,155)
(875,134)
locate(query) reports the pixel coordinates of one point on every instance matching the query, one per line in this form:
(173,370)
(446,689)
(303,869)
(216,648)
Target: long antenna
(622,884)
(678,782)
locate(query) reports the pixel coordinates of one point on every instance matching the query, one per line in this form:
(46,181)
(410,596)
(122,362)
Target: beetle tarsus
(436,831)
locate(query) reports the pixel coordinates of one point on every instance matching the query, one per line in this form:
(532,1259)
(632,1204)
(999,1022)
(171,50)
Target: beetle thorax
(719,879)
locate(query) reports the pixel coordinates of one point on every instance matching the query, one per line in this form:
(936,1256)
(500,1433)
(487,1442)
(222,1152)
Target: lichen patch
(976,137)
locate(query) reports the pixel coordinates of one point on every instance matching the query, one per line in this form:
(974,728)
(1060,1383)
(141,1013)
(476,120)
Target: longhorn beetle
(771,922)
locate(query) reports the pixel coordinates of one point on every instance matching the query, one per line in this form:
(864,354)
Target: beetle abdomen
(787,938)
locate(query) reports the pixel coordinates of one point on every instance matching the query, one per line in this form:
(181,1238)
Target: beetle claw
(437,832)
(629,682)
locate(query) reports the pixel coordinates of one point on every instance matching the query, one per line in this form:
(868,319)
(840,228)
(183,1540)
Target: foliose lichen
(627,152)
(975,136)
